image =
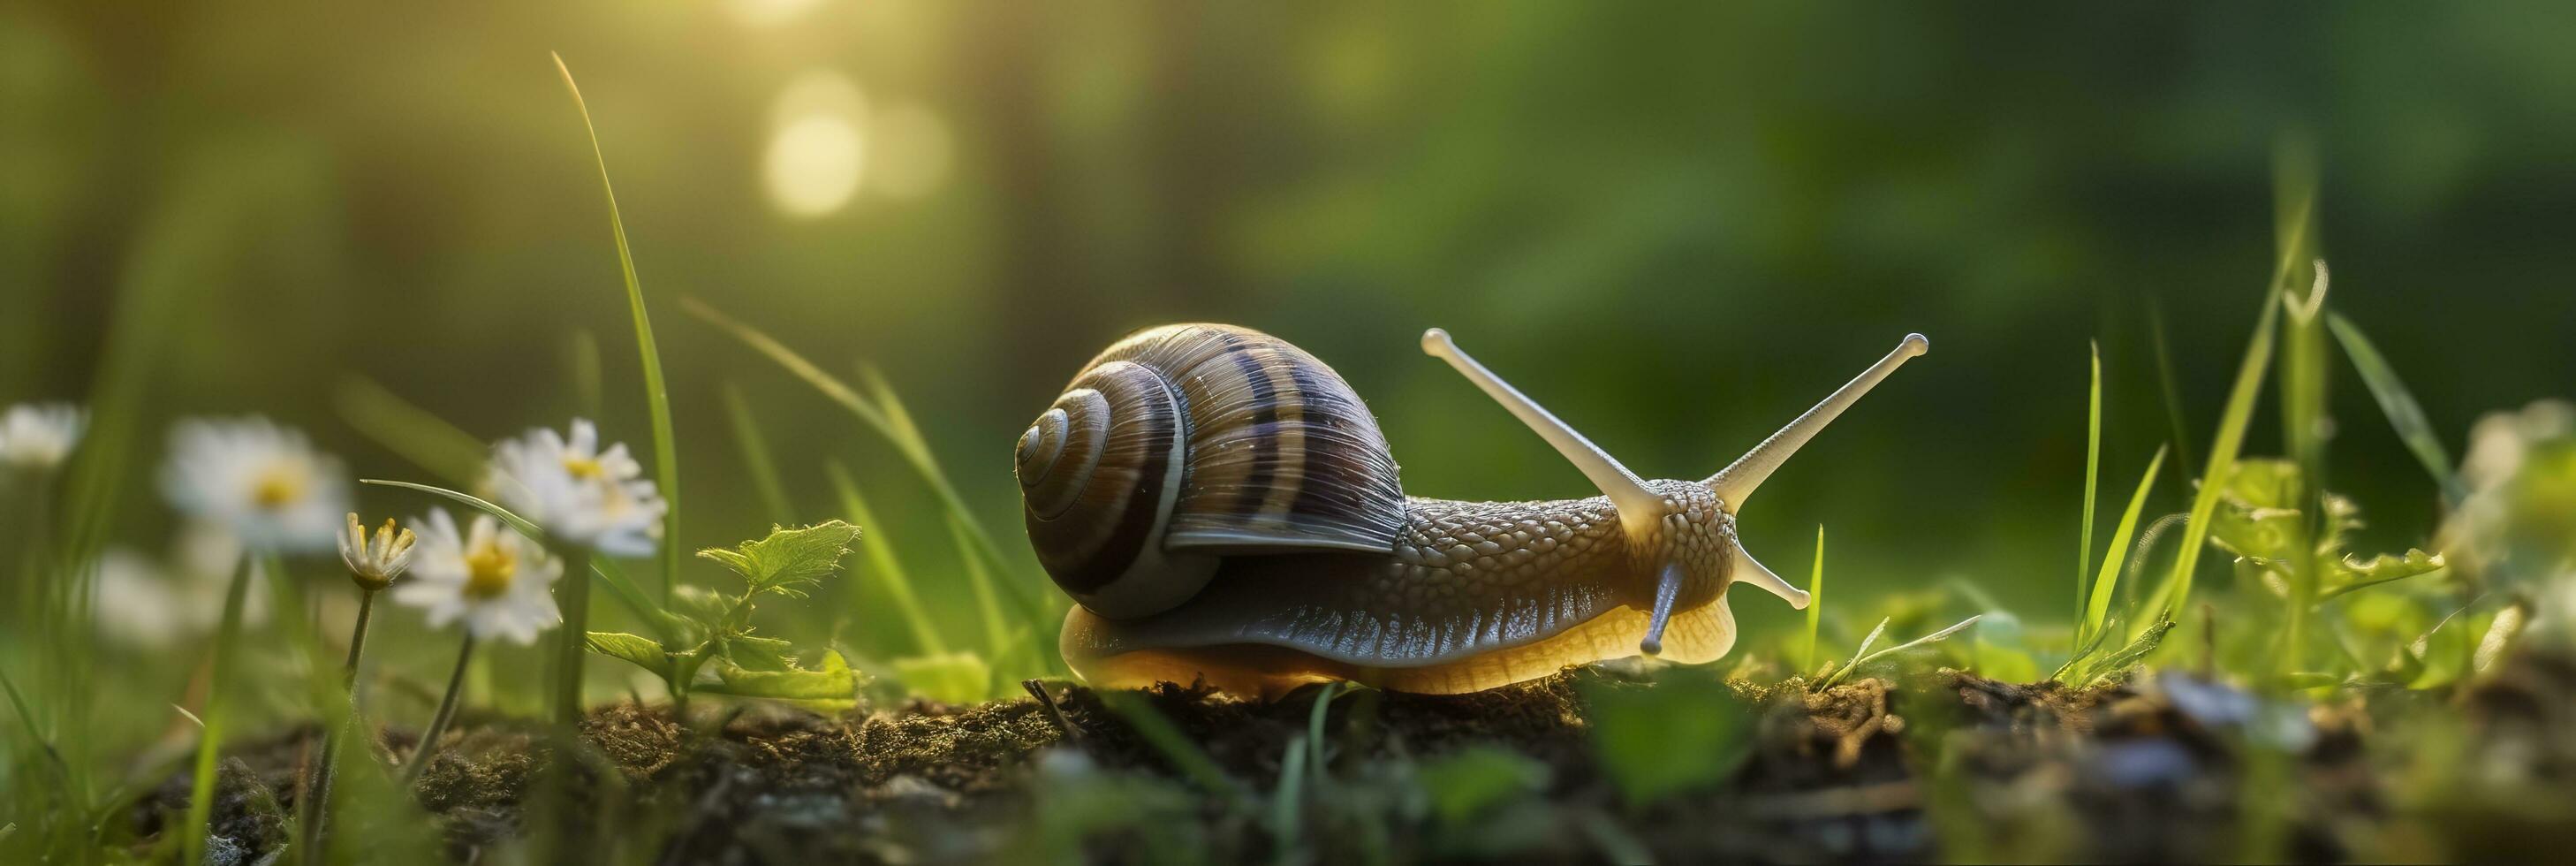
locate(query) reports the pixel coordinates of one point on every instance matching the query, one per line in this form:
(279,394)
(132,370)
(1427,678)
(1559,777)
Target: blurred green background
(1676,225)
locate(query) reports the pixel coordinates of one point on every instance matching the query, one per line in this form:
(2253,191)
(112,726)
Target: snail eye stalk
(1639,508)
(1736,482)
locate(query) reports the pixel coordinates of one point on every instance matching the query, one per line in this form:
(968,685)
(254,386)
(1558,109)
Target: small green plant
(1687,731)
(715,649)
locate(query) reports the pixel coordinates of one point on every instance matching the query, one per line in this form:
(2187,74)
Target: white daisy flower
(374,564)
(264,482)
(138,606)
(37,436)
(148,603)
(583,495)
(499,582)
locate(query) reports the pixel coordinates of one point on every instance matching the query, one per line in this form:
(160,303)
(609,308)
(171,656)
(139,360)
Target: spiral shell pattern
(1184,443)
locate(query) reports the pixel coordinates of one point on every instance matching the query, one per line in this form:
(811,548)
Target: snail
(1222,508)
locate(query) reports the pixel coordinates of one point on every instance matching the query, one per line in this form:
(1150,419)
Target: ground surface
(2151,770)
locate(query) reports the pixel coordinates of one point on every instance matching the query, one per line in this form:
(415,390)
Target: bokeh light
(817,148)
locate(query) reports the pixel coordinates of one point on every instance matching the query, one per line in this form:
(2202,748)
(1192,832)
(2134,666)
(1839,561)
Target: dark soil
(2156,770)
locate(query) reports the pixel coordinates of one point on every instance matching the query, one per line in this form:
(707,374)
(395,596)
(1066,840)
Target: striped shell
(1184,443)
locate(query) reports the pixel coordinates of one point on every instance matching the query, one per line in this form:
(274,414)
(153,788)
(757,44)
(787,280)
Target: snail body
(1222,508)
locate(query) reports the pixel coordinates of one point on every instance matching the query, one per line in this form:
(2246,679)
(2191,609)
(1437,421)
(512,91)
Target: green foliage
(1687,731)
(1863,656)
(2261,524)
(713,647)
(790,560)
(953,678)
(1176,748)
(884,412)
(1471,782)
(2001,649)
(2076,672)
(2222,455)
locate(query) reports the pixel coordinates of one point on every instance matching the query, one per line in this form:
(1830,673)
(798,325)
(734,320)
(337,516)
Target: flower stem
(575,598)
(201,792)
(429,737)
(318,786)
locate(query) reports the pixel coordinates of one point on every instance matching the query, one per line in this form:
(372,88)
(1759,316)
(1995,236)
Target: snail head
(1644,512)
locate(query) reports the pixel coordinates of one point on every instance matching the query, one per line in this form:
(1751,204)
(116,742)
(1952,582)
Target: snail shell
(1184,443)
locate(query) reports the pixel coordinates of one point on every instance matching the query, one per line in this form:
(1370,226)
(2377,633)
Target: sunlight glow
(817,150)
(769,13)
(911,152)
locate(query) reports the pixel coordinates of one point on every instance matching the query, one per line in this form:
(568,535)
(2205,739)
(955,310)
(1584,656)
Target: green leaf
(832,684)
(2357,574)
(949,678)
(657,395)
(789,559)
(634,649)
(1682,732)
(1473,781)
(760,653)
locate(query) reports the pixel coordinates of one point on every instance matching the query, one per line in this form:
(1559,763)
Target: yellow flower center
(585,468)
(488,570)
(278,486)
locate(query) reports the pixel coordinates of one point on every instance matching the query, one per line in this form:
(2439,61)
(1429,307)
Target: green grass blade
(1815,604)
(987,604)
(27,717)
(2223,449)
(2092,479)
(477,503)
(1185,756)
(2398,403)
(409,431)
(755,456)
(1288,797)
(666,456)
(888,568)
(581,363)
(2165,382)
(887,417)
(1925,640)
(1315,732)
(201,786)
(877,414)
(1030,607)
(2099,607)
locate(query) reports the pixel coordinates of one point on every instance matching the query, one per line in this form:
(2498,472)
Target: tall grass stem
(657,394)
